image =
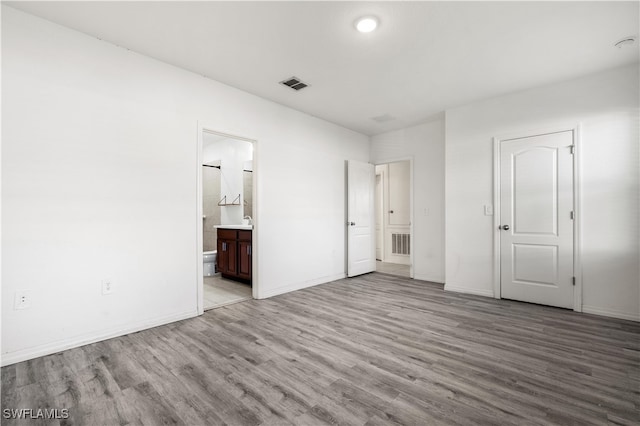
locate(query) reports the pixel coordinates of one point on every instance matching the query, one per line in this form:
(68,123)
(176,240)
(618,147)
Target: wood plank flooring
(372,350)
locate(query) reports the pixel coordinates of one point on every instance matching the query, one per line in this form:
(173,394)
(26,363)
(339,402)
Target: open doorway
(393,218)
(226,194)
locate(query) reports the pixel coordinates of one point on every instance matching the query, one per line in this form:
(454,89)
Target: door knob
(504,227)
(351,223)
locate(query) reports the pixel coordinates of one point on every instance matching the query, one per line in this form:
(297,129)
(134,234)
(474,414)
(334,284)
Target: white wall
(425,144)
(99,181)
(606,105)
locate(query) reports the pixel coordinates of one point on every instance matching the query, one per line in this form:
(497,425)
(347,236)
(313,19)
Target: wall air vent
(294,83)
(400,244)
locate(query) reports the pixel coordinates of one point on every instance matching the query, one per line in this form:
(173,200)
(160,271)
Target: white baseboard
(398,260)
(429,278)
(469,290)
(299,286)
(61,345)
(632,316)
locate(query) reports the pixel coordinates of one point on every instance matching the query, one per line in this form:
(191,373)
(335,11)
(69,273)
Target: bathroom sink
(246,227)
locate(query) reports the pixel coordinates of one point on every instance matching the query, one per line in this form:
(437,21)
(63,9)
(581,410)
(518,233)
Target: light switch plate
(488,210)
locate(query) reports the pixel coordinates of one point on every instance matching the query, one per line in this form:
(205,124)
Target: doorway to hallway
(393,207)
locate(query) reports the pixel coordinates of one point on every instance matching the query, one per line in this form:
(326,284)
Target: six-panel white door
(361,243)
(536,208)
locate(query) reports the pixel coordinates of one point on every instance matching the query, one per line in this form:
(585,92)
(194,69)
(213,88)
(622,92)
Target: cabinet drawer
(244,235)
(227,234)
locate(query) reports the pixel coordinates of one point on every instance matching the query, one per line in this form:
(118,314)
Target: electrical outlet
(488,210)
(107,287)
(22,299)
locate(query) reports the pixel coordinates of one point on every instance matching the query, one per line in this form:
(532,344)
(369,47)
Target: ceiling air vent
(294,83)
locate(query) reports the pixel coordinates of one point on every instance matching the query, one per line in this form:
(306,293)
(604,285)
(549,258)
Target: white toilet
(209,258)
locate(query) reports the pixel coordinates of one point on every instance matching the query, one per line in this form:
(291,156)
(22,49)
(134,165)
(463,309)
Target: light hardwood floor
(371,350)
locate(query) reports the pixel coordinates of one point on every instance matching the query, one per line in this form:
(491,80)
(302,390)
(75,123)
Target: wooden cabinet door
(244,264)
(227,257)
(221,259)
(231,252)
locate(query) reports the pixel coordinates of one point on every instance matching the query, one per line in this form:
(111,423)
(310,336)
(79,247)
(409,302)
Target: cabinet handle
(248,250)
(224,246)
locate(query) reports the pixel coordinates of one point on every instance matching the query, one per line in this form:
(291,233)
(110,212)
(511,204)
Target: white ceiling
(425,57)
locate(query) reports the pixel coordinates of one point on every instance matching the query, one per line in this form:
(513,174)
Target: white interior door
(399,176)
(361,244)
(379,216)
(536,213)
(398,225)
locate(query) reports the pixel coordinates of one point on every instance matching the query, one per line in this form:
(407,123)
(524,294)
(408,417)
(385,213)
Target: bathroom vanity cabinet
(234,254)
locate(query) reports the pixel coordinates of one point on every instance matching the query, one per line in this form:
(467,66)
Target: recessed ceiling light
(366,24)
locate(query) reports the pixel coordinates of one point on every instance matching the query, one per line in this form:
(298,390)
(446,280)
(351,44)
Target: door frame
(577,205)
(380,162)
(255,279)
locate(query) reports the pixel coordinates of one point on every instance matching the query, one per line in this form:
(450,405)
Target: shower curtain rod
(218,167)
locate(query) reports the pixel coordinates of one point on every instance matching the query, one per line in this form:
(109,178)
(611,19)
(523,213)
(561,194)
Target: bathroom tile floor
(220,291)
(393,269)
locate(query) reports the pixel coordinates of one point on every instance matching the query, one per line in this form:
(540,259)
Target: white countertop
(245,227)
